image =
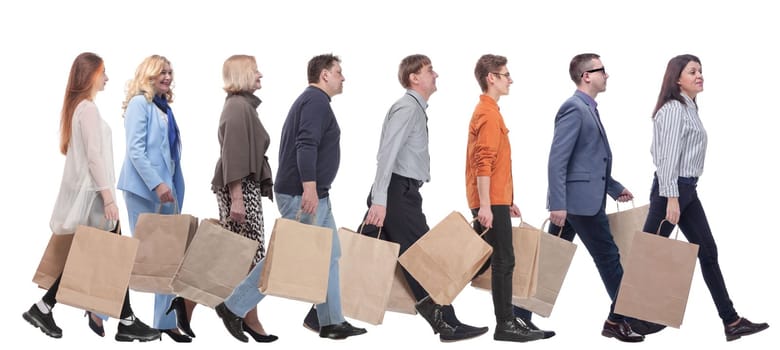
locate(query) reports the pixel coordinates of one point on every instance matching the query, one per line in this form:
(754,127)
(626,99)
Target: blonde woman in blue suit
(151,175)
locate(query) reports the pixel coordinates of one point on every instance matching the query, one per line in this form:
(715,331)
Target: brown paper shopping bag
(446,258)
(401,297)
(624,225)
(525,243)
(657,279)
(53,260)
(366,271)
(555,257)
(217,260)
(164,239)
(97,271)
(298,261)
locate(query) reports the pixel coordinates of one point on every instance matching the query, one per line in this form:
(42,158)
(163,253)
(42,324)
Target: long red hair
(83,74)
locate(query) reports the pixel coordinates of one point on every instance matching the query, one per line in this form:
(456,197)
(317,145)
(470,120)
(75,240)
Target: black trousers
(404,221)
(502,261)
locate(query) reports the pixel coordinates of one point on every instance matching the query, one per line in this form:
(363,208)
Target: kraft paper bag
(624,225)
(53,260)
(298,260)
(216,261)
(97,271)
(657,279)
(401,297)
(366,271)
(555,257)
(446,258)
(164,240)
(525,243)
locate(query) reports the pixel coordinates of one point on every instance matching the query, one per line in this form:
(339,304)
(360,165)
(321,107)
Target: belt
(688,180)
(415,182)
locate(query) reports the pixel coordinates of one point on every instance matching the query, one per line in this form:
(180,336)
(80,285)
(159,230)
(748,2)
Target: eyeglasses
(594,70)
(502,74)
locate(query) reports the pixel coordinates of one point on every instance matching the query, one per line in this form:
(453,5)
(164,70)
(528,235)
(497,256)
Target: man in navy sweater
(309,156)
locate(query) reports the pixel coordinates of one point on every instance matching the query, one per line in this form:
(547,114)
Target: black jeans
(693,224)
(502,261)
(404,221)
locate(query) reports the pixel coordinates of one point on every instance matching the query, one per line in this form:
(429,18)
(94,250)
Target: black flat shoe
(340,331)
(260,338)
(182,320)
(645,327)
(311,322)
(743,328)
(94,326)
(622,331)
(232,322)
(179,338)
(43,321)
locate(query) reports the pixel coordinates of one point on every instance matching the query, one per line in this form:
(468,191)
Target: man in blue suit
(579,178)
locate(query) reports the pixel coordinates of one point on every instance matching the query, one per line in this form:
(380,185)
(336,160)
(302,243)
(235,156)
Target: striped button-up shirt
(679,144)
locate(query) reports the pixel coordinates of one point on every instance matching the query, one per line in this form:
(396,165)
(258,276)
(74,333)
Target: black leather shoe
(462,330)
(260,338)
(232,322)
(43,321)
(645,327)
(433,313)
(94,326)
(513,330)
(530,325)
(136,331)
(311,322)
(340,331)
(621,331)
(177,337)
(182,319)
(743,327)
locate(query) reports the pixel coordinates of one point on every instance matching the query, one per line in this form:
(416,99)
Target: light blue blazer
(579,170)
(148,155)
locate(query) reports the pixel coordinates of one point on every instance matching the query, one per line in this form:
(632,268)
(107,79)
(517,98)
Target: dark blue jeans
(693,224)
(595,235)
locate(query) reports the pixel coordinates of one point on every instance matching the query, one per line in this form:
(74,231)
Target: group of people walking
(579,179)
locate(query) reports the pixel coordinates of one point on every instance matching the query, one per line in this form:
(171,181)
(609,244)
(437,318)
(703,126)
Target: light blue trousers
(137,205)
(246,295)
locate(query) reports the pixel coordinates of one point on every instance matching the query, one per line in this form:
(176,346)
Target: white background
(40,39)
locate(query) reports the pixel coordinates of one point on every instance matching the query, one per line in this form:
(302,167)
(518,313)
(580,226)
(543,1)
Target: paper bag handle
(483,232)
(360,230)
(541,228)
(617,204)
(300,212)
(175,207)
(676,232)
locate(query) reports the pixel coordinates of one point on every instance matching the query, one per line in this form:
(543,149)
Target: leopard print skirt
(253,227)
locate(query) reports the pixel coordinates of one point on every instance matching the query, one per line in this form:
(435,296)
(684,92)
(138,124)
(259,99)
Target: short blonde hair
(145,74)
(238,73)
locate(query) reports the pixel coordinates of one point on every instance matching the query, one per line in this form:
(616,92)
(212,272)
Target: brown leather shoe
(743,327)
(621,331)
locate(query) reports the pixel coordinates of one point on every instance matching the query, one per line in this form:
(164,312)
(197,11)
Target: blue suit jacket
(580,164)
(148,155)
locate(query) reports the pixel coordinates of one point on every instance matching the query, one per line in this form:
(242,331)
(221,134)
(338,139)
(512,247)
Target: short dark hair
(318,63)
(411,64)
(670,90)
(579,64)
(486,65)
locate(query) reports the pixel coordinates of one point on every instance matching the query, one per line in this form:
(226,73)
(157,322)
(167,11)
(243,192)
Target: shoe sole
(448,339)
(37,324)
(130,338)
(612,335)
(737,336)
(520,340)
(310,328)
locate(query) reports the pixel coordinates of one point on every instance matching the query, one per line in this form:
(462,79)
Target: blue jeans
(136,206)
(246,295)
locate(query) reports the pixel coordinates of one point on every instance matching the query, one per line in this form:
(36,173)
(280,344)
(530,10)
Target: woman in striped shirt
(678,149)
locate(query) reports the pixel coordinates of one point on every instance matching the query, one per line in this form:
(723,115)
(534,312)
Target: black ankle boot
(43,321)
(135,331)
(513,330)
(462,330)
(433,313)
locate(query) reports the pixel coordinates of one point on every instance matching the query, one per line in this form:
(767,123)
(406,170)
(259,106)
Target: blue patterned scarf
(173,129)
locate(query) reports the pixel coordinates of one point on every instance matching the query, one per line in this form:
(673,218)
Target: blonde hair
(145,75)
(238,73)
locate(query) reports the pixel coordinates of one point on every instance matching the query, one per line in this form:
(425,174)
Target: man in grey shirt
(403,165)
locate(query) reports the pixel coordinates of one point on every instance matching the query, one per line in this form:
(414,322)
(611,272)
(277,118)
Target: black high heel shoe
(94,326)
(179,338)
(260,338)
(182,321)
